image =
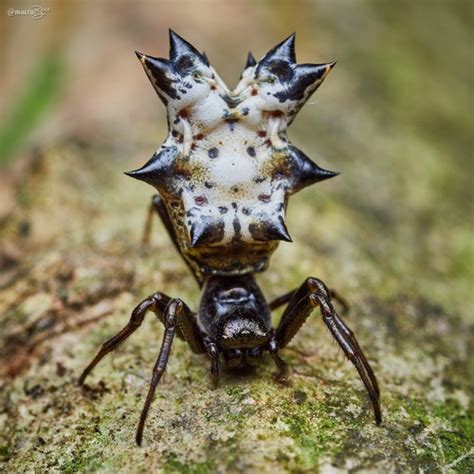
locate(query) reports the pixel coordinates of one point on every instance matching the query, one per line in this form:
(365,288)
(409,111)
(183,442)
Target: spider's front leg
(335,296)
(213,353)
(156,302)
(311,294)
(170,321)
(178,320)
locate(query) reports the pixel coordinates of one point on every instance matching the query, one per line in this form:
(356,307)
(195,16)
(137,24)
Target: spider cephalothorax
(224,176)
(226,169)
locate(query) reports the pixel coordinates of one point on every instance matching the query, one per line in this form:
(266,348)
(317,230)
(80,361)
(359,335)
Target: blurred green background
(393,233)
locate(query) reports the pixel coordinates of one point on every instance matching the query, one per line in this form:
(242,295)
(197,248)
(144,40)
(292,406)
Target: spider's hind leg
(157,205)
(311,294)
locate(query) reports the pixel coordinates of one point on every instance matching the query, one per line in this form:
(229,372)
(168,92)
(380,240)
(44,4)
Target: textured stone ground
(72,270)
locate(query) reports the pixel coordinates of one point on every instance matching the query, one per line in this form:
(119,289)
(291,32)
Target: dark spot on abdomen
(213,152)
(237,230)
(232,122)
(200,200)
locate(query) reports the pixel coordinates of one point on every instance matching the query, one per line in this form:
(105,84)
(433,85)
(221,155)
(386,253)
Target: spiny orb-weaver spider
(224,176)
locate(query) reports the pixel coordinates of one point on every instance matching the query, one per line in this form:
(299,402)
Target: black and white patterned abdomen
(227,169)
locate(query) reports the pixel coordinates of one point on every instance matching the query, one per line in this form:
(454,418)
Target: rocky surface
(73,268)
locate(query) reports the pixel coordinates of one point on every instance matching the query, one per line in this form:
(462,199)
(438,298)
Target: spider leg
(187,329)
(178,320)
(313,293)
(157,205)
(286,297)
(174,308)
(282,366)
(336,296)
(281,300)
(156,302)
(146,234)
(213,353)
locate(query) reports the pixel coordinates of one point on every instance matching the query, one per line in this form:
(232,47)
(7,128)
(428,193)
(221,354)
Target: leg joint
(315,285)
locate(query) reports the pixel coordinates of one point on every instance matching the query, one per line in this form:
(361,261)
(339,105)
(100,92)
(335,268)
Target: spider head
(234,313)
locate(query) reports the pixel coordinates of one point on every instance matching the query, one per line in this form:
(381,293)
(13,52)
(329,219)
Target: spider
(224,176)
